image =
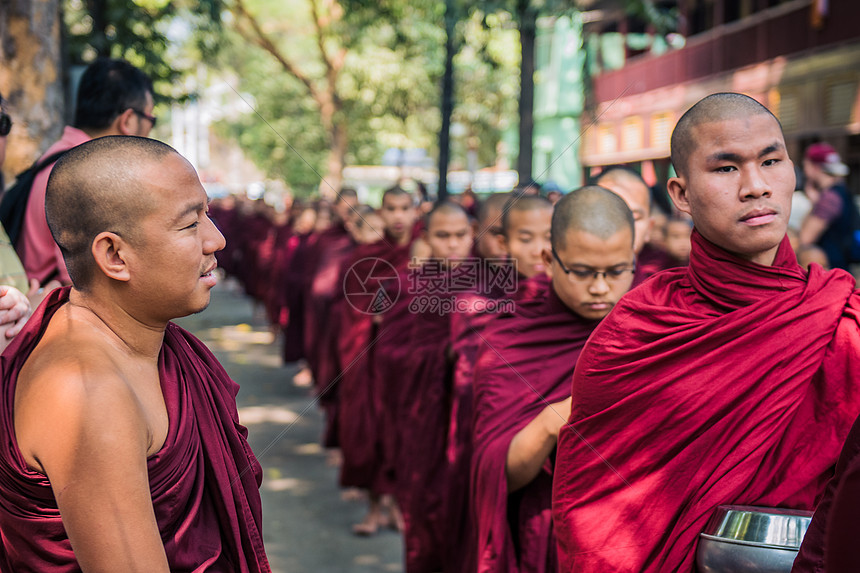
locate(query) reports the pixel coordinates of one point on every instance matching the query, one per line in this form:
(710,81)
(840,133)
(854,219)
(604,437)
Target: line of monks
(726,381)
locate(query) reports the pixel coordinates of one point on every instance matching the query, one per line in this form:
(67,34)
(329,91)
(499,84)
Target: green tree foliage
(164,38)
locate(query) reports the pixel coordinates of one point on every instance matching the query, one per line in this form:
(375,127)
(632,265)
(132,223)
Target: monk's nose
(599,285)
(755,184)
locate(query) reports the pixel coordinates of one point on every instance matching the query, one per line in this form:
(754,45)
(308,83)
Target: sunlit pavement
(306,524)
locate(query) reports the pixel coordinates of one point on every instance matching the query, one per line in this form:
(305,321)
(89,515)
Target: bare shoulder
(72,395)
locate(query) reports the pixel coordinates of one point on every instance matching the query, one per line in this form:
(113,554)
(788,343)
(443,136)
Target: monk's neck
(138,338)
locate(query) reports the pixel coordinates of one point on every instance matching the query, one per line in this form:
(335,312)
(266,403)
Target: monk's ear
(546,257)
(109,253)
(678,191)
(502,242)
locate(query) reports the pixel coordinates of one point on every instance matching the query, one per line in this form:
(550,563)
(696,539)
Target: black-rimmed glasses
(5,124)
(583,274)
(144,115)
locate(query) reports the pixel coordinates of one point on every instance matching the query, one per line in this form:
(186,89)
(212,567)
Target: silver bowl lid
(765,526)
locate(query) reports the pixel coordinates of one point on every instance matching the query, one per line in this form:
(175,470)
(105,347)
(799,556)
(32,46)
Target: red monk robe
(726,382)
(359,399)
(526,363)
(830,544)
(204,481)
(421,423)
(296,284)
(332,248)
(466,340)
(651,261)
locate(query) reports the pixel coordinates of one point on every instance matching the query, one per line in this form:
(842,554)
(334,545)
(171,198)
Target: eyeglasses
(152,119)
(5,124)
(584,274)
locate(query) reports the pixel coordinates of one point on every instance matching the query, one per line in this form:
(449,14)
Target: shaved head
(396,191)
(346,193)
(714,108)
(593,210)
(521,203)
(97,187)
(491,207)
(446,208)
(624,177)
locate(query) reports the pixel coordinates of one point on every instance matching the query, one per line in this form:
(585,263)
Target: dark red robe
(359,397)
(525,364)
(726,382)
(466,339)
(651,261)
(830,545)
(204,481)
(296,282)
(327,256)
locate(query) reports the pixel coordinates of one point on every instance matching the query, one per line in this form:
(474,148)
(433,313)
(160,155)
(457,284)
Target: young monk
(525,232)
(413,369)
(629,185)
(704,384)
(522,379)
(465,338)
(360,403)
(122,449)
(330,251)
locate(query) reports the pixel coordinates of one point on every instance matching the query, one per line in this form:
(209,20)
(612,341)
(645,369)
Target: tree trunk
(333,179)
(528,28)
(31,78)
(447,106)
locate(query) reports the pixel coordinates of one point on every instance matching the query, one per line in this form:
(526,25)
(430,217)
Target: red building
(801,58)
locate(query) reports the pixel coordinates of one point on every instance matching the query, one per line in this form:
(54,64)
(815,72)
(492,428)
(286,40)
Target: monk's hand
(557,415)
(14,310)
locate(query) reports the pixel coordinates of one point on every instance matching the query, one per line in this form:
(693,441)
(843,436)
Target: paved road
(306,523)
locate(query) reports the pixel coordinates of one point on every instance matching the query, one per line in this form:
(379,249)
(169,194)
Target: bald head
(521,204)
(491,208)
(593,210)
(444,209)
(714,108)
(97,187)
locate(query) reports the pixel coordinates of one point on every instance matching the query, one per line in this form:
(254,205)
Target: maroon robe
(726,382)
(830,545)
(651,261)
(330,251)
(526,364)
(296,284)
(204,480)
(359,398)
(466,340)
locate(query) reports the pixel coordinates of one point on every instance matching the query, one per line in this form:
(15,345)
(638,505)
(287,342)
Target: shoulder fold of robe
(721,383)
(204,481)
(525,364)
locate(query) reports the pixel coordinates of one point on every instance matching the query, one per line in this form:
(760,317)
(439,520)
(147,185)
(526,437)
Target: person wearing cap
(829,224)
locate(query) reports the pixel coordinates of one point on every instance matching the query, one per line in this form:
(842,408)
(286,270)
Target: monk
(413,368)
(629,185)
(704,385)
(495,272)
(522,379)
(525,232)
(384,254)
(330,251)
(123,450)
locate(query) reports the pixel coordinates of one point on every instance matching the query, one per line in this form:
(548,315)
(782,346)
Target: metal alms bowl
(745,539)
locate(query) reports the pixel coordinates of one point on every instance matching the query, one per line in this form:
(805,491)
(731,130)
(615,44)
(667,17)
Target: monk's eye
(582,274)
(618,272)
(725,169)
(770,162)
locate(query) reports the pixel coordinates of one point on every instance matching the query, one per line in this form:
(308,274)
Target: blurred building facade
(801,58)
